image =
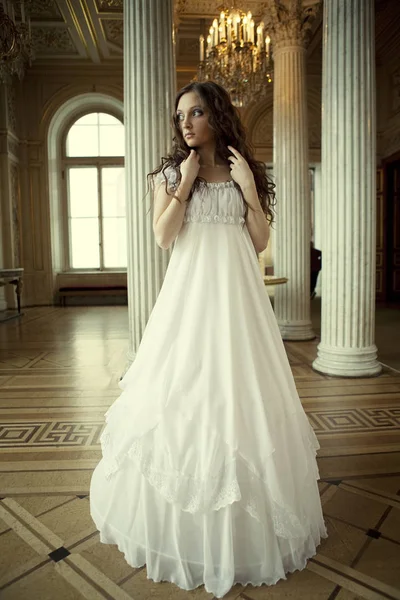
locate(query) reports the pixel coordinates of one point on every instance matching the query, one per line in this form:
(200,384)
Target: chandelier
(237,56)
(16,51)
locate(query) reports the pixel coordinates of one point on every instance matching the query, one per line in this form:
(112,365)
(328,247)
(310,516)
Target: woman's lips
(189,135)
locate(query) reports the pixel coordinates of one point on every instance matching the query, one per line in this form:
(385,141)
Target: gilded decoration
(44,9)
(114,31)
(180,6)
(110,5)
(213,7)
(52,40)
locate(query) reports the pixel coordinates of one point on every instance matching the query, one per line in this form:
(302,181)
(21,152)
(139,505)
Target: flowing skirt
(208,472)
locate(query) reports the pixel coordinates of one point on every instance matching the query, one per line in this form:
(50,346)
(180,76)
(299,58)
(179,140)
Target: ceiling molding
(92,30)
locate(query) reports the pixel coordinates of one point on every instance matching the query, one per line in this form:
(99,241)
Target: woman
(208,472)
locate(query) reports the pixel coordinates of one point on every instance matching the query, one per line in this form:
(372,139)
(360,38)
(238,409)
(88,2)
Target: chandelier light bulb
(201,48)
(229,30)
(237,28)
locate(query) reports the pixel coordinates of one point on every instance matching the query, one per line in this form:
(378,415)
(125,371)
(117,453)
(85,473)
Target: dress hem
(267,582)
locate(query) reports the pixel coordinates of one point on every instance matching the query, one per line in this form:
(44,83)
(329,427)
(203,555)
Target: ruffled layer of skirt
(208,471)
(217,548)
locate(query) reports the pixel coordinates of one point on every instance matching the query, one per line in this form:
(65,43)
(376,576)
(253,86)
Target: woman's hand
(190,167)
(240,170)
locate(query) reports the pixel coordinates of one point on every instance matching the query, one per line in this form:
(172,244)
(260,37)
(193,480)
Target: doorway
(392,254)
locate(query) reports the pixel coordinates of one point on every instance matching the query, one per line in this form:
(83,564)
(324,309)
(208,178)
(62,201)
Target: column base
(347,362)
(300,330)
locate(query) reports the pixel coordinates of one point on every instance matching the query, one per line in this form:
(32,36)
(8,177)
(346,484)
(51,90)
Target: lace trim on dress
(197,217)
(194,494)
(171,176)
(198,494)
(229,183)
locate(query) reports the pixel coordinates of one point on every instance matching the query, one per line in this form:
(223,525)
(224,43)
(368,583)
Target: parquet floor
(59,370)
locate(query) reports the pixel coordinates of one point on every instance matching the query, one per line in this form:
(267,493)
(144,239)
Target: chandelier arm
(16,48)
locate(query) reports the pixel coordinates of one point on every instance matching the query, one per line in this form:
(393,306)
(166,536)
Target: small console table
(15,277)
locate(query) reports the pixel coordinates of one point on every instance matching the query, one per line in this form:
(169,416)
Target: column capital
(289,21)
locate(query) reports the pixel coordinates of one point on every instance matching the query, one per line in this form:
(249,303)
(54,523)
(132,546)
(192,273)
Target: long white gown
(208,472)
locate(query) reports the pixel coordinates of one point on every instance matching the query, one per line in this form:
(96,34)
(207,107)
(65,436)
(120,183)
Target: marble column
(291,170)
(149,87)
(347,345)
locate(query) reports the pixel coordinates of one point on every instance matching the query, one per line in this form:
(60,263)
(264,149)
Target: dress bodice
(213,203)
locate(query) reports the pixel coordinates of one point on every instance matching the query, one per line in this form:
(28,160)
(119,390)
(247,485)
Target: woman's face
(193,121)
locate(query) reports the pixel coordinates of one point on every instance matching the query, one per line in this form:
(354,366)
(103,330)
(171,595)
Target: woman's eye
(196,112)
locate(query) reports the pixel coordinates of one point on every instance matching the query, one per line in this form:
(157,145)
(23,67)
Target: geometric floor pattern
(59,371)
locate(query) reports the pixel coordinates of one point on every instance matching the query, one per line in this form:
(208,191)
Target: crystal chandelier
(237,56)
(16,50)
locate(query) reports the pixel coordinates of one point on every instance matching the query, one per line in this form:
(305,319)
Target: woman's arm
(256,220)
(169,212)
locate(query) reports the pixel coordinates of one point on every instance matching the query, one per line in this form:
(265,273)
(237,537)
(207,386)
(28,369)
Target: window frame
(99,162)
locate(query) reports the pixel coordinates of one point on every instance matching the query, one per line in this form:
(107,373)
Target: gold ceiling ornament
(111,5)
(16,50)
(237,55)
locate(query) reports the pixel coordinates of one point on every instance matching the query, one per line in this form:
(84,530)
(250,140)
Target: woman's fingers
(235,152)
(192,155)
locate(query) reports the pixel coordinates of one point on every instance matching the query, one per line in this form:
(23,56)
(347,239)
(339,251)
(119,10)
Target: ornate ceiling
(88,30)
(92,30)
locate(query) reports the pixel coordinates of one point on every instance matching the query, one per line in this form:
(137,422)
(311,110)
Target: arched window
(93,172)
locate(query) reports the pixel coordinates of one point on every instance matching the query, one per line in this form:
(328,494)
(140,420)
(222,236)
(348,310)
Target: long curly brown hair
(225,121)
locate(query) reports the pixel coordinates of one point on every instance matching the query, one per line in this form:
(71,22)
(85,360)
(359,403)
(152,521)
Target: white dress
(208,472)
